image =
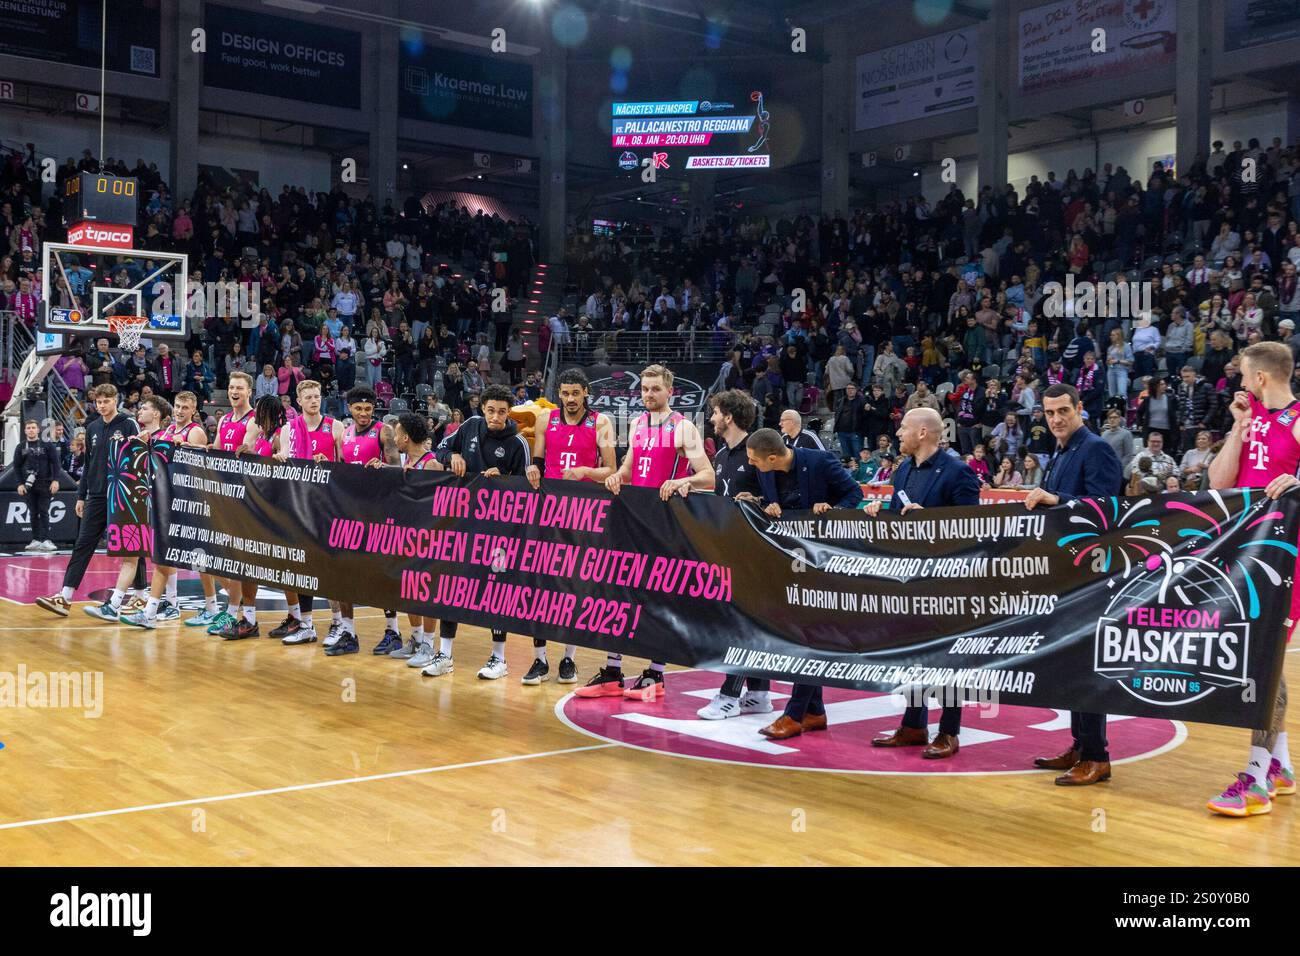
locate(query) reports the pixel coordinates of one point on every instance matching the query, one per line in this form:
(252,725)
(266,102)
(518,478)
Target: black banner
(17,526)
(441,85)
(259,53)
(1170,606)
(68,31)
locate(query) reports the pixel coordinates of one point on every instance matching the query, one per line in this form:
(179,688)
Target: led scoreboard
(95,197)
(694,134)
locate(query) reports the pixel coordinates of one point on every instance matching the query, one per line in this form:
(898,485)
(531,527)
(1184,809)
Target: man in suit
(929,478)
(1084,465)
(798,479)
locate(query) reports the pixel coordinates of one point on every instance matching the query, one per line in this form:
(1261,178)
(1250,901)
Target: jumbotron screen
(733,133)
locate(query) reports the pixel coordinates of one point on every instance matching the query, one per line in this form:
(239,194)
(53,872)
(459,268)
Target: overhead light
(480,175)
(404,166)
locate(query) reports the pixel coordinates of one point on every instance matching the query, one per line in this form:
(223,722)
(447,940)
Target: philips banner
(296,59)
(1170,606)
(439,85)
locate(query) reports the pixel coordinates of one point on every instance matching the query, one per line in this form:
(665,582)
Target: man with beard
(732,418)
(1262,451)
(488,445)
(663,449)
(581,448)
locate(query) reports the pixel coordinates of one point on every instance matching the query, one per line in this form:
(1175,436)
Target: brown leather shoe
(782,728)
(1062,762)
(943,746)
(1085,772)
(814,721)
(904,737)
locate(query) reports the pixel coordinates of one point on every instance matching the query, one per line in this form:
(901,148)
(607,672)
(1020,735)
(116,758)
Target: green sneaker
(221,622)
(203,619)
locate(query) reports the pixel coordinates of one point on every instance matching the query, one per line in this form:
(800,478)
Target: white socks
(210,604)
(445,645)
(499,649)
(349,626)
(295,612)
(67,593)
(614,662)
(169,592)
(116,598)
(1257,767)
(1281,752)
(570,650)
(250,614)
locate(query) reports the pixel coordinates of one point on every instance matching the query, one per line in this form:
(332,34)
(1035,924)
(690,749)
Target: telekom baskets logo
(101,234)
(994,740)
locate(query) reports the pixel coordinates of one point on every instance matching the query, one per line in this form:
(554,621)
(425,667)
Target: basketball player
(162,589)
(1263,451)
(233,434)
(663,448)
(319,438)
(581,446)
(411,441)
(732,417)
(370,442)
(488,445)
(187,432)
(92,500)
(153,411)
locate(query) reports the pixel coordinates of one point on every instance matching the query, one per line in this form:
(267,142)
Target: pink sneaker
(1245,798)
(603,683)
(648,687)
(1281,782)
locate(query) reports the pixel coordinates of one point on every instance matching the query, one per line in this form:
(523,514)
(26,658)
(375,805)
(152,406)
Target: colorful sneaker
(494,668)
(105,611)
(285,627)
(346,644)
(537,674)
(568,672)
(167,612)
(133,605)
(239,630)
(55,604)
(1244,798)
(204,618)
(391,641)
(606,682)
(441,664)
(649,686)
(304,635)
(1281,781)
(223,620)
(406,651)
(137,620)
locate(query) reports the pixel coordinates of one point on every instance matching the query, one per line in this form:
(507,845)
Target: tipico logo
(1096,300)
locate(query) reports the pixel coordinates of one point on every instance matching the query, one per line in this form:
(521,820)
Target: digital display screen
(95,197)
(726,133)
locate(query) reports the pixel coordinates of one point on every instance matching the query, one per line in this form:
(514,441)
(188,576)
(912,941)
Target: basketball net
(128,329)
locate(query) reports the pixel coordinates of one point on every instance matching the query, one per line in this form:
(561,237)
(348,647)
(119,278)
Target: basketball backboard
(82,286)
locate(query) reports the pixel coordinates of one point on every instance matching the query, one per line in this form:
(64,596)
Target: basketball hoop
(128,329)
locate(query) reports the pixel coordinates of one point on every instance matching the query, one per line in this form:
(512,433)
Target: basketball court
(253,754)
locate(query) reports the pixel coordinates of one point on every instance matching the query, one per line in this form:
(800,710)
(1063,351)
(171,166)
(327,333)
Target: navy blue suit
(821,479)
(941,481)
(1086,467)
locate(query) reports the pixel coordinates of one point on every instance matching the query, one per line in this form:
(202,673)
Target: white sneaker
(34,546)
(48,545)
(720,708)
(756,702)
(304,635)
(493,669)
(334,635)
(441,664)
(423,656)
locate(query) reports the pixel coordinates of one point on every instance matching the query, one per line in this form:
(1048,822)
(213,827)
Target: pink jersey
(359,448)
(322,439)
(655,458)
(421,463)
(170,433)
(263,447)
(230,430)
(1270,449)
(570,446)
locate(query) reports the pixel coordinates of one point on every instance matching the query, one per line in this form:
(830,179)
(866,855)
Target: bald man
(928,478)
(795,435)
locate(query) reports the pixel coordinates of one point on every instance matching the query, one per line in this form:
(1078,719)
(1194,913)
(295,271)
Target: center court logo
(993,740)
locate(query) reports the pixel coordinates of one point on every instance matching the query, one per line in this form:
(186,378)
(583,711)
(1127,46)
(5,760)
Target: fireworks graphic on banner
(1108,528)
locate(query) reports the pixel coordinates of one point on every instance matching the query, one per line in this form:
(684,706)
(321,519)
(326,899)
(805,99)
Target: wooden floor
(216,753)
